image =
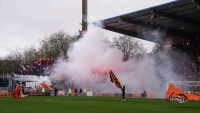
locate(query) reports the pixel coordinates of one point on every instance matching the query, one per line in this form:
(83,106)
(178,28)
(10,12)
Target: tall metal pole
(84,16)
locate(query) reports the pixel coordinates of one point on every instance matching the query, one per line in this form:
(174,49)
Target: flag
(46,86)
(114,79)
(174,94)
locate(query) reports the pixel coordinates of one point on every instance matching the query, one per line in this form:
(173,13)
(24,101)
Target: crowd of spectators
(185,57)
(183,60)
(42,66)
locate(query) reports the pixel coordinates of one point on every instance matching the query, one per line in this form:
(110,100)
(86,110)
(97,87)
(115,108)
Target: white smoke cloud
(91,53)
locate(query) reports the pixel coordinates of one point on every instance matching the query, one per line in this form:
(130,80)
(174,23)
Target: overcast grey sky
(23,22)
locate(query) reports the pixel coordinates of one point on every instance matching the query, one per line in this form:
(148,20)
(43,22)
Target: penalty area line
(50,100)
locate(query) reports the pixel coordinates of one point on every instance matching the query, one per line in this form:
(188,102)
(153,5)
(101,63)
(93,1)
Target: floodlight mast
(84,15)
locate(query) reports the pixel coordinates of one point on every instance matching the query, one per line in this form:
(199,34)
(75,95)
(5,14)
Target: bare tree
(29,54)
(57,44)
(130,46)
(15,54)
(11,61)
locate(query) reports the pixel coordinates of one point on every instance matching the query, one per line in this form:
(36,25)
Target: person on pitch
(123,93)
(75,91)
(55,91)
(80,92)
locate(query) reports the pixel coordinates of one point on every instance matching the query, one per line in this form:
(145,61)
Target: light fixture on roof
(153,16)
(198,7)
(182,27)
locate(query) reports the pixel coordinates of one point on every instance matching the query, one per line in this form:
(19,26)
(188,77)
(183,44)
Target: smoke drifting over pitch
(90,53)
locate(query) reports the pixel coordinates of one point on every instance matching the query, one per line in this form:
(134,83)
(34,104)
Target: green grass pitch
(48,104)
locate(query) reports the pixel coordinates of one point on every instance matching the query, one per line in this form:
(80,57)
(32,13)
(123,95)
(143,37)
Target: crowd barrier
(10,94)
(40,94)
(126,95)
(196,93)
(6,94)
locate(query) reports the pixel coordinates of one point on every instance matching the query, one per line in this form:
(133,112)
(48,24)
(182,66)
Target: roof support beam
(145,36)
(136,22)
(178,18)
(196,2)
(159,28)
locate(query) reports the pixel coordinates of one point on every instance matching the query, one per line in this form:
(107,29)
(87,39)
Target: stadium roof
(179,18)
